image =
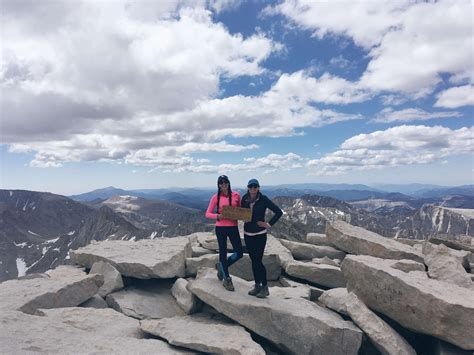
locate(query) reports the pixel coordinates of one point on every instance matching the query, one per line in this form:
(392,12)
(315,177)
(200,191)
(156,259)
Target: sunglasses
(253,186)
(223,182)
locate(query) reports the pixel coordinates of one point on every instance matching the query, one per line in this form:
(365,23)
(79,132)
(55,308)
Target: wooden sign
(237,213)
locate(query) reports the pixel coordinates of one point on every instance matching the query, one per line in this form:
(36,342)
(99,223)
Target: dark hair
(220,179)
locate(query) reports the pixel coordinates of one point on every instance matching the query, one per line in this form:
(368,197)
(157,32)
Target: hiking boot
(220,272)
(228,285)
(263,292)
(256,289)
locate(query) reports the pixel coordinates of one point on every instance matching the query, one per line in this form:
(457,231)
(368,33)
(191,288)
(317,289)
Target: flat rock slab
(291,292)
(112,278)
(65,286)
(321,274)
(200,251)
(202,333)
(304,251)
(407,265)
(274,247)
(209,241)
(296,325)
(185,299)
(314,292)
(326,261)
(335,299)
(149,300)
(384,337)
(22,333)
(445,264)
(359,241)
(105,322)
(242,268)
(318,239)
(143,259)
(416,302)
(95,302)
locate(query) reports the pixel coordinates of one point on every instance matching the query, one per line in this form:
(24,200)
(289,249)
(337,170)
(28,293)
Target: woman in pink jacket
(225,228)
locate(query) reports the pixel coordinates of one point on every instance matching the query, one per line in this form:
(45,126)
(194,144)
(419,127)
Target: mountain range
(37,229)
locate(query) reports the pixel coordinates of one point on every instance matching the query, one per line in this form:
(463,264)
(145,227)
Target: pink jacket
(224,201)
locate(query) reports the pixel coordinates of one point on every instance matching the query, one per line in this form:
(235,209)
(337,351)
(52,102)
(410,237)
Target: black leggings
(255,246)
(233,233)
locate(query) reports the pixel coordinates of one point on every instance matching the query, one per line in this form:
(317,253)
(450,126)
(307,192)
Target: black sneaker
(254,290)
(263,292)
(228,285)
(220,272)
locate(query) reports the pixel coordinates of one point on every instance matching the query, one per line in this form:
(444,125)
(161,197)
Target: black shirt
(258,212)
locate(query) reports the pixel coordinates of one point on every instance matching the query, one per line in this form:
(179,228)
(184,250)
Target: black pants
(255,246)
(233,233)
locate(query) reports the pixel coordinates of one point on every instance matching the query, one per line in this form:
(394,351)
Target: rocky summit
(347,291)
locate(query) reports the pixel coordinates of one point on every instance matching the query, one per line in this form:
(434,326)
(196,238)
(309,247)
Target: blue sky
(173,93)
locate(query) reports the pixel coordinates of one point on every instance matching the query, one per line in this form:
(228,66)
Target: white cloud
(410,44)
(137,84)
(150,137)
(456,97)
(389,115)
(270,163)
(364,21)
(402,145)
(104,61)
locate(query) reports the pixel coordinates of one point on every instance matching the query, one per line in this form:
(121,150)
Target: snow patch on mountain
(21,267)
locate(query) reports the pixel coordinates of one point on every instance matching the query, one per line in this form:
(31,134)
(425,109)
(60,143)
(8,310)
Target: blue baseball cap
(253,182)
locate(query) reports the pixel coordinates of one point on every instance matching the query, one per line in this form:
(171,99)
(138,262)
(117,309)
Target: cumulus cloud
(456,97)
(139,83)
(104,61)
(402,145)
(410,44)
(389,115)
(268,164)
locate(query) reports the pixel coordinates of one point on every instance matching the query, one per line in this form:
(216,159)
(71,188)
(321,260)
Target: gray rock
(326,261)
(445,264)
(65,286)
(416,302)
(202,333)
(112,278)
(242,268)
(194,264)
(313,329)
(94,302)
(318,239)
(410,242)
(22,333)
(275,247)
(200,251)
(384,337)
(321,274)
(304,251)
(104,322)
(185,299)
(463,256)
(335,299)
(453,244)
(314,292)
(143,259)
(151,301)
(209,241)
(407,265)
(356,240)
(302,291)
